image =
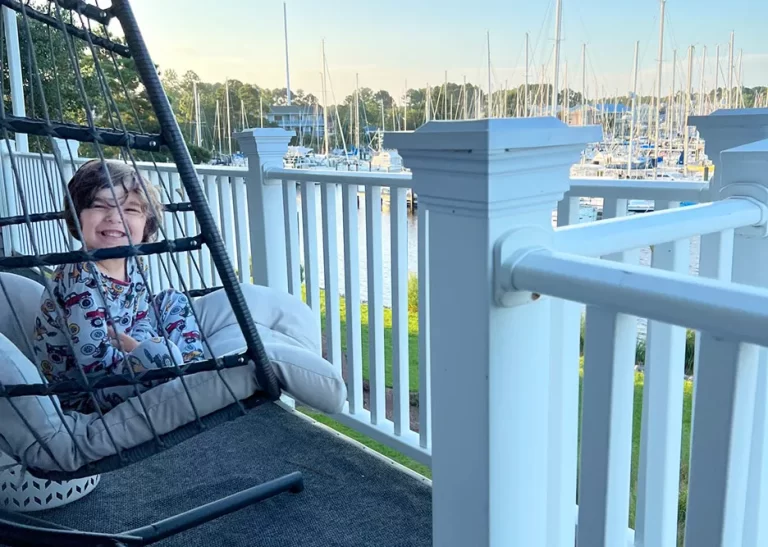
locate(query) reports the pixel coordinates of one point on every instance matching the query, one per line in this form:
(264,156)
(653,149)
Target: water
(645,252)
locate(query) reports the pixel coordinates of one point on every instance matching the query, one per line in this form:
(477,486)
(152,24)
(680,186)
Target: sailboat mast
(730,72)
(555,82)
(428,113)
(739,80)
(634,110)
(583,84)
(229,127)
(715,99)
(490,97)
(672,96)
(199,136)
(357,112)
(566,96)
(687,107)
(525,93)
(701,82)
(405,110)
(218,124)
(325,103)
(445,96)
(658,87)
(464,99)
(287,71)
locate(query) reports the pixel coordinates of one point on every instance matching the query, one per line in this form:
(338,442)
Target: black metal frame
(40,533)
(18,529)
(265,375)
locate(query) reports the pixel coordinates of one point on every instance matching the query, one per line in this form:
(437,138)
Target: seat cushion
(34,430)
(291,337)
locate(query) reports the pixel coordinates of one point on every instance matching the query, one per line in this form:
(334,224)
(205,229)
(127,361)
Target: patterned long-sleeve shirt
(71,329)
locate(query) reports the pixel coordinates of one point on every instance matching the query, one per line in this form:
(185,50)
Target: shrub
(690,344)
(413,293)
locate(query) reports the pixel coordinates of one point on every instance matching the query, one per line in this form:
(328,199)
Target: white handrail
(631,232)
(361,178)
(734,311)
(637,189)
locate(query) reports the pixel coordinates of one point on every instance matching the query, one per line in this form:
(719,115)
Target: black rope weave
(94,13)
(182,207)
(46,19)
(82,133)
(180,245)
(116,380)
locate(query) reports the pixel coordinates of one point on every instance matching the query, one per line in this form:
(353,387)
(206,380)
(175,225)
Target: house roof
(295,109)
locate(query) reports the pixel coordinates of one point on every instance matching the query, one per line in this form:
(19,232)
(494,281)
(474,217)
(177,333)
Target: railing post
(725,256)
(482,182)
(729,483)
(265,148)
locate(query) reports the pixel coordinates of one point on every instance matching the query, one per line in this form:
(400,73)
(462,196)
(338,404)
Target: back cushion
(19,297)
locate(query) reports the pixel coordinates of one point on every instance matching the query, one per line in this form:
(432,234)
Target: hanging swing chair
(257,342)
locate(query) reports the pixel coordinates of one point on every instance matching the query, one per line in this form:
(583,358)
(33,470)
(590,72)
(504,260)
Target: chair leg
(293,482)
(18,530)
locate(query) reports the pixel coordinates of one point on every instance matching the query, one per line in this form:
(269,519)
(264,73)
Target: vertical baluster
(12,241)
(189,222)
(225,209)
(352,292)
(44,205)
(565,321)
(210,276)
(292,237)
(162,277)
(38,186)
(375,304)
(662,414)
(240,212)
(177,196)
(331,271)
(568,211)
(311,273)
(399,257)
(425,355)
(720,444)
(606,433)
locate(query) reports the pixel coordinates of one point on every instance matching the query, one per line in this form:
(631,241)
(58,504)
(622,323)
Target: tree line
(110,93)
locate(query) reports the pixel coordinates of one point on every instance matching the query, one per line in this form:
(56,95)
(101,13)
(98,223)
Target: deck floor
(351,498)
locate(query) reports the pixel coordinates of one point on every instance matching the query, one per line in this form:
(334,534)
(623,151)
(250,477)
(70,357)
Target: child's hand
(122,341)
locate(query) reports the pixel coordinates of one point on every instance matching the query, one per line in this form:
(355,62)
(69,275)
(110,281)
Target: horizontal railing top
(361,178)
(734,311)
(217,170)
(632,232)
(638,189)
(580,187)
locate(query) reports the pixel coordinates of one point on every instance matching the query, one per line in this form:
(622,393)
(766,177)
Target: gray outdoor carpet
(350,499)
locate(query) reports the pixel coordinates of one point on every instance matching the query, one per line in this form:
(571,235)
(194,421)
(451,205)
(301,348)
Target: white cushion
(291,340)
(22,302)
(291,337)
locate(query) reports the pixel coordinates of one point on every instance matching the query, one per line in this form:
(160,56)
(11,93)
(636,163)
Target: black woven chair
(71,22)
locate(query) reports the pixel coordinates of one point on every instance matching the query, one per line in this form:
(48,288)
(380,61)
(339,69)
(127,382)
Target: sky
(385,44)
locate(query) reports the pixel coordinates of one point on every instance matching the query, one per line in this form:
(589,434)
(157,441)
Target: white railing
(504,429)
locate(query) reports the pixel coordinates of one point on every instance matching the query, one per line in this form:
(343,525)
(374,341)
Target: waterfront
(412,223)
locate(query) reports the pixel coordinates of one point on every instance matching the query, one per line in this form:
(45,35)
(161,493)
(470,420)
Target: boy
(102,320)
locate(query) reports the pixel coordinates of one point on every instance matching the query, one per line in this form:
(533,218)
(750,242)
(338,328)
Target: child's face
(101,223)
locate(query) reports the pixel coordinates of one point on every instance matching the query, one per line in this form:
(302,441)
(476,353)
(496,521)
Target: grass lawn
(413,383)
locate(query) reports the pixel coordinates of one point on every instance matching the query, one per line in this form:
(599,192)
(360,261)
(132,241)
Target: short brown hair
(94,176)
